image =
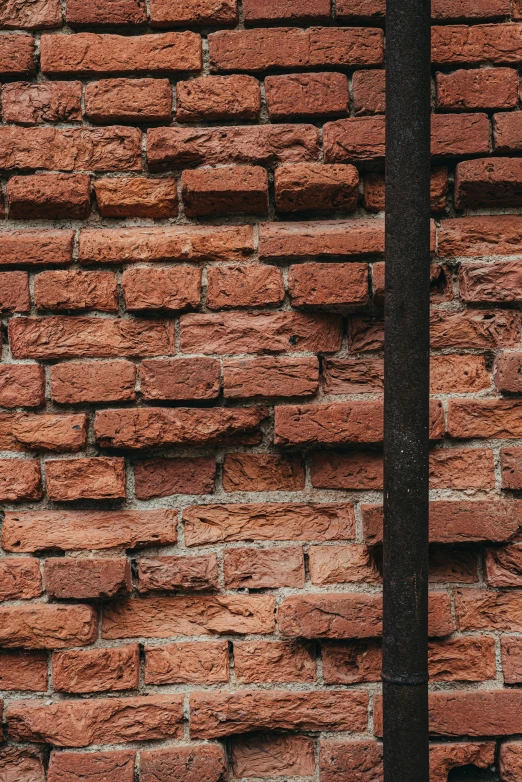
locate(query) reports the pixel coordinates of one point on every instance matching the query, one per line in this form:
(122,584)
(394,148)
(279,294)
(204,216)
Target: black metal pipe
(406,392)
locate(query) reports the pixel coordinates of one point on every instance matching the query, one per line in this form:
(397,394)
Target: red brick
(304,186)
(262,472)
(223,191)
(22,764)
(480,713)
(41,14)
(352,375)
(328,284)
(17,55)
(485,418)
(254,285)
(8,441)
(494,182)
(480,235)
(96,670)
(270,755)
(475,329)
(191,574)
(80,723)
(77,382)
(47,626)
(14,292)
(76,290)
(137,197)
(504,566)
(457,521)
(90,53)
(20,579)
(268,521)
(348,10)
(36,248)
(164,13)
(263,145)
(349,470)
(51,432)
(491,282)
(511,649)
(484,88)
(492,43)
(351,662)
(510,465)
(180,379)
(306,96)
(217,714)
(99,12)
(470,9)
(128,100)
(357,138)
(23,671)
(184,764)
(293,47)
(517,10)
(192,662)
(276,332)
(270,376)
(274,661)
(109,766)
(81,579)
(454,565)
(510,761)
(374,190)
(184,243)
(64,337)
(214,98)
(97,478)
(346,564)
(368,92)
(60,530)
(173,289)
(508,372)
(286,10)
(49,196)
(67,149)
(160,617)
(34,104)
(460,134)
(145,427)
(249,568)
(462,468)
(339,238)
(20,480)
(165,477)
(478,609)
(454,374)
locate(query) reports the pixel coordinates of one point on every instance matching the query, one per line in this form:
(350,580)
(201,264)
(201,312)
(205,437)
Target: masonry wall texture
(191,379)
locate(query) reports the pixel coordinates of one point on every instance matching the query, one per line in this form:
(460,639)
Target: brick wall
(191,294)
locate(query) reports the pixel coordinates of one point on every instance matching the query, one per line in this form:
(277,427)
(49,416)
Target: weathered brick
(508,372)
(99,12)
(68,149)
(109,766)
(51,432)
(164,13)
(40,14)
(96,670)
(268,521)
(510,761)
(491,43)
(368,92)
(165,477)
(354,139)
(307,96)
(494,282)
(454,374)
(480,609)
(22,764)
(453,135)
(328,284)
(214,98)
(184,764)
(33,104)
(217,714)
(348,10)
(462,468)
(36,248)
(90,53)
(280,241)
(192,662)
(180,379)
(97,478)
(286,10)
(250,568)
(274,661)
(17,55)
(482,88)
(262,472)
(510,465)
(305,186)
(68,337)
(77,382)
(23,671)
(374,190)
(76,290)
(80,723)
(480,235)
(171,289)
(49,196)
(258,145)
(32,531)
(268,755)
(276,332)
(137,197)
(144,245)
(485,418)
(494,182)
(470,9)
(226,190)
(347,470)
(20,480)
(145,427)
(191,574)
(82,579)
(475,329)
(294,47)
(244,286)
(14,292)
(160,617)
(47,626)
(504,566)
(511,650)
(453,564)
(481,713)
(20,579)
(347,564)
(270,376)
(128,100)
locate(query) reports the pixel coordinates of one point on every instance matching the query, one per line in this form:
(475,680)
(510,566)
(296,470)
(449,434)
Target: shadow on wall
(471,773)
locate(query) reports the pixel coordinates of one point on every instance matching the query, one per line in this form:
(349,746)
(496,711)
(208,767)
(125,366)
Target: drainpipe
(406,392)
